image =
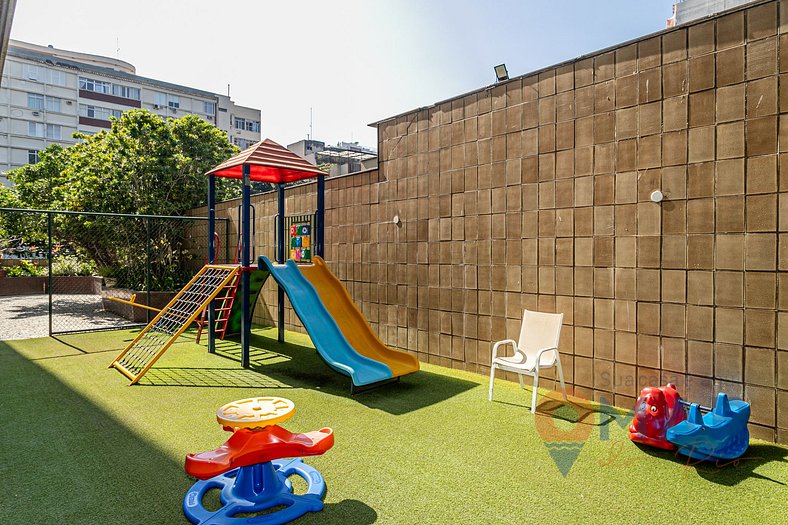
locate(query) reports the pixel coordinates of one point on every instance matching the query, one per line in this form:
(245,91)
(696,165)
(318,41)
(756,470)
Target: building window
(166,100)
(53,104)
(35,129)
(32,156)
(31,72)
(126,91)
(242,143)
(57,77)
(38,102)
(35,101)
(53,131)
(209,108)
(247,125)
(98,112)
(98,86)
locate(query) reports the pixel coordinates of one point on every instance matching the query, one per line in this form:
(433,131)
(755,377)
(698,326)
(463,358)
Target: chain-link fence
(61,272)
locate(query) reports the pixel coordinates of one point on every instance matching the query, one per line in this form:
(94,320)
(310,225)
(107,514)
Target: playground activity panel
(301,243)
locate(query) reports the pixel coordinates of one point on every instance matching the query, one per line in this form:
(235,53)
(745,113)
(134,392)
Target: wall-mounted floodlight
(501,73)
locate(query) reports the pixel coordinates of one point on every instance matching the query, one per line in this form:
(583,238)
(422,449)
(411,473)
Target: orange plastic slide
(352,322)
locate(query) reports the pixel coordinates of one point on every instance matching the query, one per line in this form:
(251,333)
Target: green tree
(143,164)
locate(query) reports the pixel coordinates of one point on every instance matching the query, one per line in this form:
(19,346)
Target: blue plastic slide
(324,332)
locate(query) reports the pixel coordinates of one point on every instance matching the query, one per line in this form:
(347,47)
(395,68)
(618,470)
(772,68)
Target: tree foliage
(142,165)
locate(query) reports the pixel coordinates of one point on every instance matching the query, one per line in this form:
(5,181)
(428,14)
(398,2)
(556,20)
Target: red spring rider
(249,468)
(656,410)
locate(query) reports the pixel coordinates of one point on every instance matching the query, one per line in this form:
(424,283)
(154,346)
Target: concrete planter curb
(71,284)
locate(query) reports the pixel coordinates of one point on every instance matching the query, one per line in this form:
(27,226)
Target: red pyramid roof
(268,162)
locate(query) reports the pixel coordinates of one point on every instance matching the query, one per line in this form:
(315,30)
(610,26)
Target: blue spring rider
(249,469)
(719,434)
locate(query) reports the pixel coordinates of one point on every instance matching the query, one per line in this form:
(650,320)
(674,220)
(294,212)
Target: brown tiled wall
(535,194)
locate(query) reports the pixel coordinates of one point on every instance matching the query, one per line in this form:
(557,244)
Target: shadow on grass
(575,411)
(97,342)
(572,411)
(209,377)
(345,512)
(299,366)
(728,472)
(66,343)
(72,462)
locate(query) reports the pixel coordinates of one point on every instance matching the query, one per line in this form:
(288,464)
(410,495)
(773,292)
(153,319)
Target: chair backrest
(540,330)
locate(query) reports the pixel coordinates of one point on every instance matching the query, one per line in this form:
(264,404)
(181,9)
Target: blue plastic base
(254,489)
(733,448)
(720,434)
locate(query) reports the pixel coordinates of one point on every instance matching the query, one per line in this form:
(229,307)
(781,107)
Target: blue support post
(321,215)
(280,258)
(211,258)
(245,240)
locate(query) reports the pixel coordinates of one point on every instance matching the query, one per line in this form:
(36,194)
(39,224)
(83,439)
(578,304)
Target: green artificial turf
(78,445)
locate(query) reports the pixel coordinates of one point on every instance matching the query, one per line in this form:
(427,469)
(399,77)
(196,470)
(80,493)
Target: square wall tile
(728,362)
(700,358)
(759,366)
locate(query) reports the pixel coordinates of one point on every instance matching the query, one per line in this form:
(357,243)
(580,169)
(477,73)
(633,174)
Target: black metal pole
(212,258)
(246,331)
(321,214)
(148,266)
(227,241)
(280,258)
(49,268)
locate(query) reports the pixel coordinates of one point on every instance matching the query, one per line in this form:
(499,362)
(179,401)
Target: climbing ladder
(225,302)
(170,323)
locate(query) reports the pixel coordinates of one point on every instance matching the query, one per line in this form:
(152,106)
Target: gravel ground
(26,316)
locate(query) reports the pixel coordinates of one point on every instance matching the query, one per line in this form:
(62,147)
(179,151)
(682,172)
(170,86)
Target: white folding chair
(536,349)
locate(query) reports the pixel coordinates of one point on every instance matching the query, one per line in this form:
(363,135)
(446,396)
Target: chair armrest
(499,343)
(543,351)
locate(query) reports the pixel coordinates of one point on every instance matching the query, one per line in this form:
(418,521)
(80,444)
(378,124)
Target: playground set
(338,329)
(664,420)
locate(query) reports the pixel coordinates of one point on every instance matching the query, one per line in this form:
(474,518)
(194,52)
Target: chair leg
(492,380)
(561,376)
(520,377)
(536,386)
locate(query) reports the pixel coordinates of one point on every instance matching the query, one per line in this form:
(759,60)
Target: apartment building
(47,94)
(687,10)
(344,158)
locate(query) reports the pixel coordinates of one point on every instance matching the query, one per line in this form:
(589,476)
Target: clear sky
(352,61)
